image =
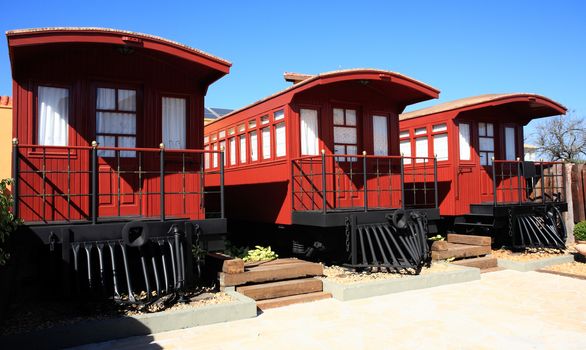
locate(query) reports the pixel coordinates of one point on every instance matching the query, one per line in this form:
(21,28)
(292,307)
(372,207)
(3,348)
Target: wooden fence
(579,191)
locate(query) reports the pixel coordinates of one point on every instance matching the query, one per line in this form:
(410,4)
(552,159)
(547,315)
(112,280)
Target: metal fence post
(293,185)
(15,175)
(162,180)
(222,183)
(519,193)
(323,181)
(353,248)
(365,179)
(94,169)
(542,183)
(435,180)
(494,181)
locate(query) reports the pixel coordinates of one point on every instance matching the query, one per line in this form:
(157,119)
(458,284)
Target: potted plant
(580,232)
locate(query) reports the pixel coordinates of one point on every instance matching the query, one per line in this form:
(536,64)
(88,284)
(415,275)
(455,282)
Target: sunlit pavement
(504,310)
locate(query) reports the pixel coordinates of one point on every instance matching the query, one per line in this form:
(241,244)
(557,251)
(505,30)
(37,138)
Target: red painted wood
(80,61)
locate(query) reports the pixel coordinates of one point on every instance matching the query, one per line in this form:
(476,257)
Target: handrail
(110,148)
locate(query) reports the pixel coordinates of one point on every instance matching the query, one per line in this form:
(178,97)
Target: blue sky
(463,48)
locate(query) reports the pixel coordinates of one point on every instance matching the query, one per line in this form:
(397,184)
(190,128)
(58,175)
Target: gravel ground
(34,316)
(528,255)
(573,268)
(346,276)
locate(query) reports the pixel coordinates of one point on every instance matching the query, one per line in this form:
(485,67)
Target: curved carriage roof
(422,91)
(54,35)
(540,106)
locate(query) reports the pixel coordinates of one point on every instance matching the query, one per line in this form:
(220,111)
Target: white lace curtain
(53,116)
(309,132)
(174,112)
(380,135)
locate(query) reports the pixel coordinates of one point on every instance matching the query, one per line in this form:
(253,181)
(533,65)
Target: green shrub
(8,223)
(260,254)
(580,231)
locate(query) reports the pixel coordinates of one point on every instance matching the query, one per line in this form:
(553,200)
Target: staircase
(480,220)
(276,283)
(467,250)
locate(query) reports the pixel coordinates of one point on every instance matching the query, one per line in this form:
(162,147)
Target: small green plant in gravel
(8,222)
(260,254)
(580,231)
(437,238)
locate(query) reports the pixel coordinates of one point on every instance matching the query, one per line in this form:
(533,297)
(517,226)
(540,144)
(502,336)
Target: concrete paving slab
(504,310)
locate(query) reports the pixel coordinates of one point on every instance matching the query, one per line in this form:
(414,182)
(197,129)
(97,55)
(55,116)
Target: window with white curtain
(53,116)
(464,141)
(242,148)
(223,148)
(309,132)
(486,143)
(345,133)
(510,149)
(405,149)
(421,149)
(380,137)
(280,140)
(216,155)
(266,143)
(116,121)
(232,143)
(440,146)
(174,113)
(253,146)
(207,156)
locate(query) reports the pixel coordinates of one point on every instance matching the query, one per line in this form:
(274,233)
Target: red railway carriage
(108,138)
(320,152)
(478,142)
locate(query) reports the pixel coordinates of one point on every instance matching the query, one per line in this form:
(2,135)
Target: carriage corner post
(323,181)
(222,204)
(16,175)
(519,193)
(435,181)
(365,179)
(162,181)
(94,195)
(493,182)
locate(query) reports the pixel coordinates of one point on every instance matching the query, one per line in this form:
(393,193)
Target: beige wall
(5,140)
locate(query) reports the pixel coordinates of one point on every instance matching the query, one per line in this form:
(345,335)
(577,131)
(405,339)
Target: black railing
(517,182)
(62,183)
(333,182)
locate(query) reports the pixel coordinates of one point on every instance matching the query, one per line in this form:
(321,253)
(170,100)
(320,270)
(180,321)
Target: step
(270,273)
(281,289)
(469,239)
(456,250)
(294,299)
(483,263)
(481,208)
(474,224)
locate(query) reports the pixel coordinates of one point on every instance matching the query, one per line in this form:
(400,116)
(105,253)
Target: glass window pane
(439,127)
(280,140)
(127,100)
(352,150)
(206,139)
(253,146)
(106,99)
(345,135)
(106,141)
(232,131)
(404,134)
(309,132)
(486,144)
(420,131)
(380,136)
(242,148)
(241,127)
(207,157)
(232,151)
(440,146)
(222,134)
(279,115)
(215,155)
(351,117)
(252,124)
(266,143)
(264,119)
(481,129)
(338,116)
(510,151)
(53,116)
(489,129)
(464,141)
(405,149)
(483,159)
(127,142)
(421,149)
(174,122)
(490,157)
(116,123)
(340,149)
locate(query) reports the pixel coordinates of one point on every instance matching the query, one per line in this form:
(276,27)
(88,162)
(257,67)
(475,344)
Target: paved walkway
(505,310)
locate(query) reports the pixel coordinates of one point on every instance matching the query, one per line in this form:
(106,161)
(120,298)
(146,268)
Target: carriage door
(348,176)
(485,154)
(116,116)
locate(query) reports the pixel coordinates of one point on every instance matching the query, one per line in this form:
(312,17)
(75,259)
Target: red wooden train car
(321,153)
(478,142)
(108,139)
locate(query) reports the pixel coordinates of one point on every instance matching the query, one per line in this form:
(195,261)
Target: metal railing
(517,181)
(337,182)
(62,183)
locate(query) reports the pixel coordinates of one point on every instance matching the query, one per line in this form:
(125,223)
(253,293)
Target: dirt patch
(34,316)
(344,275)
(529,254)
(572,268)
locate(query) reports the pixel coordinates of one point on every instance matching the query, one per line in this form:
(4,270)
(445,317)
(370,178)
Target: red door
(116,125)
(348,170)
(486,132)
